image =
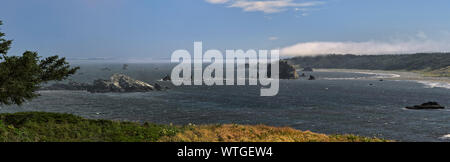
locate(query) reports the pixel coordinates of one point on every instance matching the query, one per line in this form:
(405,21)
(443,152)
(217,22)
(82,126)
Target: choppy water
(329,105)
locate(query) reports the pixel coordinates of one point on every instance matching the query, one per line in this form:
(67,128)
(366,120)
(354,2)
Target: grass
(54,127)
(444,72)
(258,133)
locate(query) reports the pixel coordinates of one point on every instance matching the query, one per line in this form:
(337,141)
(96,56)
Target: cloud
(217,1)
(366,48)
(266,6)
(273,38)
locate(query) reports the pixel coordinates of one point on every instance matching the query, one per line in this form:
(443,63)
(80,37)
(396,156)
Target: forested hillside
(423,61)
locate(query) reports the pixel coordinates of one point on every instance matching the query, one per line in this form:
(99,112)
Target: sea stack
(288,71)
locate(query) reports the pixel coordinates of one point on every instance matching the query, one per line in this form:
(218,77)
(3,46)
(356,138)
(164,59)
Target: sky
(153,29)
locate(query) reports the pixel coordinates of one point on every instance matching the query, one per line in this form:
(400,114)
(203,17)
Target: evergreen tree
(22,76)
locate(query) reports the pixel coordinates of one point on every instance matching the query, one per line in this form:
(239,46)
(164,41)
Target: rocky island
(426,106)
(287,71)
(120,83)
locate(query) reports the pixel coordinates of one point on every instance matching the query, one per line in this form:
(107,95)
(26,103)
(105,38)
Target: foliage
(444,72)
(21,76)
(421,61)
(55,127)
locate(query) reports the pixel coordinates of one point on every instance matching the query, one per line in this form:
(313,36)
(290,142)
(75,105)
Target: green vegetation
(54,127)
(444,72)
(427,62)
(21,76)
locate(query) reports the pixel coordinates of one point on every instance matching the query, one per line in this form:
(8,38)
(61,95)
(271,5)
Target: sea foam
(445,137)
(374,76)
(430,84)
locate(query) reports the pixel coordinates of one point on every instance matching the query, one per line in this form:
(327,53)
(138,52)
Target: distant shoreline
(399,75)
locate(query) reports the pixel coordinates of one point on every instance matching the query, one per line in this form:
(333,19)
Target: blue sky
(153,29)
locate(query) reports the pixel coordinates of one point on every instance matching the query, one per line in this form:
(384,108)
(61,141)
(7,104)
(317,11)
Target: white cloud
(217,1)
(266,6)
(366,48)
(273,38)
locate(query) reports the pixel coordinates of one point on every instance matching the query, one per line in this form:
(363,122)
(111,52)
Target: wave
(380,75)
(430,84)
(445,137)
(374,76)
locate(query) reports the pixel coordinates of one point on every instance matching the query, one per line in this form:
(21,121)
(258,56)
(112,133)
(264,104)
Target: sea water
(335,103)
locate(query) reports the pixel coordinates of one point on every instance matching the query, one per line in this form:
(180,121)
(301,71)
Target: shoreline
(396,75)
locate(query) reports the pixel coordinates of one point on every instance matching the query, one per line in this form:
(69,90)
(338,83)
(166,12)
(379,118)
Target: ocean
(335,103)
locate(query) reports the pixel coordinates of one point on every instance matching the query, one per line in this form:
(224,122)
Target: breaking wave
(373,76)
(429,84)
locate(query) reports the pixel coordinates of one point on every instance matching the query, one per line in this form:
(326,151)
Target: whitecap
(430,84)
(374,76)
(380,75)
(445,137)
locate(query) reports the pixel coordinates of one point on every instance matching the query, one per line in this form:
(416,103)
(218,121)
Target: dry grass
(257,133)
(444,72)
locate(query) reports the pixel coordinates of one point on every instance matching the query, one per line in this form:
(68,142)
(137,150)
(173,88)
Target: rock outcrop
(426,106)
(120,83)
(166,78)
(117,83)
(158,87)
(287,71)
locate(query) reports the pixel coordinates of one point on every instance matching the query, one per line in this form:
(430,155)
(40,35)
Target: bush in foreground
(54,127)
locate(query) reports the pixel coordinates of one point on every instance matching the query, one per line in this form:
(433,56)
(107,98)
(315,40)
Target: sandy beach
(443,82)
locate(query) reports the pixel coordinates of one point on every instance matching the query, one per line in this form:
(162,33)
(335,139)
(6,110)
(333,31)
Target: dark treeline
(421,61)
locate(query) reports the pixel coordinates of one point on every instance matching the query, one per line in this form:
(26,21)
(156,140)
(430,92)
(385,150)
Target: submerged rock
(158,87)
(167,78)
(120,83)
(426,106)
